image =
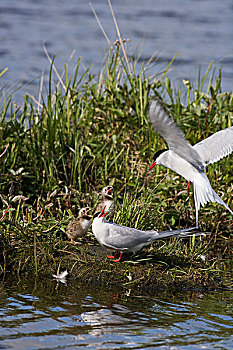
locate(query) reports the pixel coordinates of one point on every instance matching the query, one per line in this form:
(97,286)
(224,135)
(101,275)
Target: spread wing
(173,135)
(215,147)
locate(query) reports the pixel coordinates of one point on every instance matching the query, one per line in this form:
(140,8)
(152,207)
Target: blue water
(47,315)
(200,31)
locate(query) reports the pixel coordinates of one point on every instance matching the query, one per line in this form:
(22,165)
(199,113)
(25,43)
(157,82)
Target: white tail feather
(204,193)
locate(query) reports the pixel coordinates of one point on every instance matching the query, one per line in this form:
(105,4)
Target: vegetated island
(57,154)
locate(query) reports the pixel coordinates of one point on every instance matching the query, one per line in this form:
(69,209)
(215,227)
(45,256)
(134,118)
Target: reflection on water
(48,315)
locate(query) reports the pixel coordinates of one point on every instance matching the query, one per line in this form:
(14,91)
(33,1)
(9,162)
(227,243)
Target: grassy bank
(57,154)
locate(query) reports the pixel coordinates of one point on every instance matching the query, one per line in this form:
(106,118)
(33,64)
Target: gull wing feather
(215,147)
(173,135)
(126,238)
(168,234)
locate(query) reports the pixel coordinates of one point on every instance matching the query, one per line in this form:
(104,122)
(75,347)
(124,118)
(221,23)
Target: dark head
(156,156)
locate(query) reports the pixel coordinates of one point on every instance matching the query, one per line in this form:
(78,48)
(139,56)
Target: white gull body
(124,239)
(187,160)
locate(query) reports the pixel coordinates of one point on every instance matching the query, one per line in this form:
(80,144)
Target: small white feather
(61,276)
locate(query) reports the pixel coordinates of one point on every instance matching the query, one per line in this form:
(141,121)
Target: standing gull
(123,239)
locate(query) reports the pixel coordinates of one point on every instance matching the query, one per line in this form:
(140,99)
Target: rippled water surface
(200,31)
(46,315)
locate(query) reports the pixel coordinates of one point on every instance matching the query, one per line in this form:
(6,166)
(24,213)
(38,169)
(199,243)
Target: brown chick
(106,201)
(78,227)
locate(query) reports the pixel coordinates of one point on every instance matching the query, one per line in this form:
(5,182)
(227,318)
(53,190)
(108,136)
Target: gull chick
(106,200)
(78,227)
(123,239)
(187,160)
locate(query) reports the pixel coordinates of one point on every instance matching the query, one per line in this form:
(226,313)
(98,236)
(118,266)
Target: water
(199,30)
(46,315)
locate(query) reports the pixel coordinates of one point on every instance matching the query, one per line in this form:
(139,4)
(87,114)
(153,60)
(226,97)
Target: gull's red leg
(188,188)
(112,256)
(119,259)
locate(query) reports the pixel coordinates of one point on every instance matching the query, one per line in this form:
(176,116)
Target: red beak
(102,214)
(152,166)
